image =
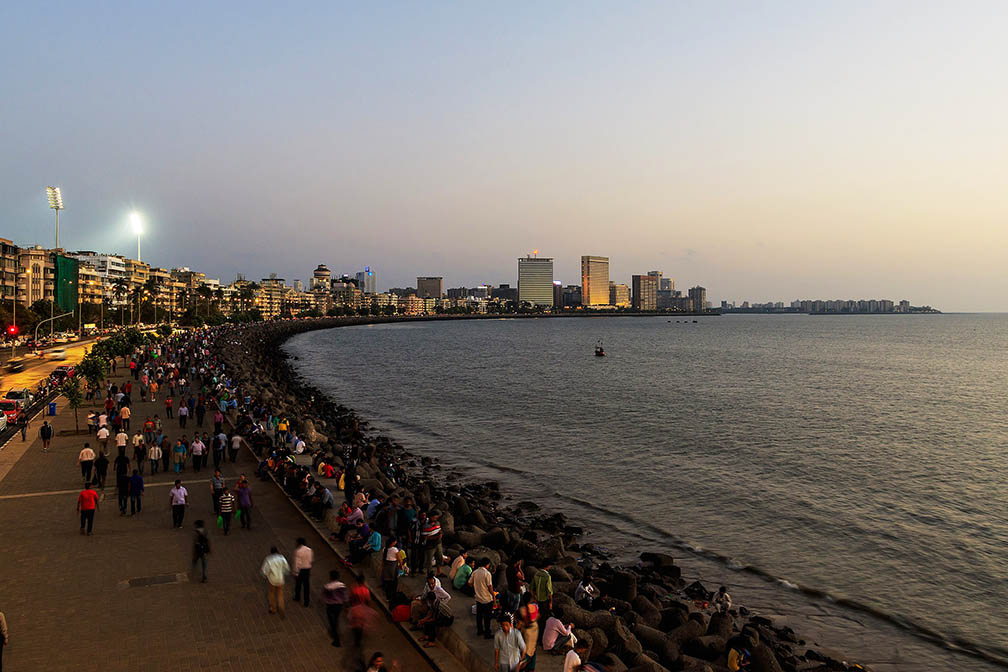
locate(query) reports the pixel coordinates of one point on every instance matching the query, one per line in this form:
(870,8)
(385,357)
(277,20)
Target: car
(56,354)
(61,373)
(22,395)
(14,365)
(10,408)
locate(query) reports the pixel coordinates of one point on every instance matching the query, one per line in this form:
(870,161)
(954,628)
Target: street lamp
(137,225)
(55,203)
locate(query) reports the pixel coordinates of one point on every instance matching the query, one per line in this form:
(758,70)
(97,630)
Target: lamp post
(55,203)
(137,224)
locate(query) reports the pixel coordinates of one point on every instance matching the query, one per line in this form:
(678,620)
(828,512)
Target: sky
(764,150)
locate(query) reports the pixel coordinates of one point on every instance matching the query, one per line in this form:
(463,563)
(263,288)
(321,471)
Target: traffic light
(12,330)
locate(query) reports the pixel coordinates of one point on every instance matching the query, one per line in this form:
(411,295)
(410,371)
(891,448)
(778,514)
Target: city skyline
(830,147)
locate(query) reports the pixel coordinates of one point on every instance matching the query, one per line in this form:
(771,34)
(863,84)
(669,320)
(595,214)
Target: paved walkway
(75,602)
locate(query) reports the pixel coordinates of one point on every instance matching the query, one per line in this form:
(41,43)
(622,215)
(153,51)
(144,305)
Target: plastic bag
(220,521)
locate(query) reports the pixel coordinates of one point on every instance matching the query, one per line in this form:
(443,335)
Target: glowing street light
(55,203)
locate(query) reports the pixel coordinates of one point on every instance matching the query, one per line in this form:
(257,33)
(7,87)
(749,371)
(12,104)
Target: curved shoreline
(295,387)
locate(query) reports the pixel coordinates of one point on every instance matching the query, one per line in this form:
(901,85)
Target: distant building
(657,275)
(594,281)
(667,284)
(504,293)
(572,296)
(698,298)
(535,281)
(321,277)
(458,292)
(558,301)
(298,285)
(645,290)
(367,281)
(619,295)
(430,287)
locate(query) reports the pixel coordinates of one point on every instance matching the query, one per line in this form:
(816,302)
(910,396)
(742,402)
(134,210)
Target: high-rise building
(698,298)
(645,290)
(658,276)
(666,285)
(619,295)
(594,281)
(321,277)
(558,301)
(430,287)
(535,281)
(367,281)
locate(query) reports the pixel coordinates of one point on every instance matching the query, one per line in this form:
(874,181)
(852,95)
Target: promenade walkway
(122,599)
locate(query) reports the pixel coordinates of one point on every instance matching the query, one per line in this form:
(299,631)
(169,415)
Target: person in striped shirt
(227,507)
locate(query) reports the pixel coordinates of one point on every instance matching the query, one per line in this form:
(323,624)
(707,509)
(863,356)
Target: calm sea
(859,458)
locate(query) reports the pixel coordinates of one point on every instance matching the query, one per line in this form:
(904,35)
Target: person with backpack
(334,594)
(201,548)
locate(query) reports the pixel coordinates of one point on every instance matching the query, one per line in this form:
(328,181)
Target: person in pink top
(303,559)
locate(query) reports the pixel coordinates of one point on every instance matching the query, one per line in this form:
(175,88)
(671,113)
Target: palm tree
(151,287)
(205,292)
(120,289)
(219,296)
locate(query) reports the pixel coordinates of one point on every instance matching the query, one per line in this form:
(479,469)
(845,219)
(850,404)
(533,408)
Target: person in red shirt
(87,504)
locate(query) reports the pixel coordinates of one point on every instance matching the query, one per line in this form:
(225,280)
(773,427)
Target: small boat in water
(599,350)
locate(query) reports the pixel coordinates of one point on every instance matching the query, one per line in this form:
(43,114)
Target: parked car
(22,395)
(10,408)
(15,365)
(56,354)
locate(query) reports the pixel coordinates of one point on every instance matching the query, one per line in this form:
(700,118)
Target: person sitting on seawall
(434,615)
(462,574)
(368,541)
(557,637)
(722,601)
(586,592)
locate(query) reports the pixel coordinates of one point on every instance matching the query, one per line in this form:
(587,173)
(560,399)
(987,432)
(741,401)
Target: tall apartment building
(535,281)
(594,281)
(658,276)
(698,298)
(619,295)
(36,280)
(429,287)
(645,290)
(9,253)
(321,277)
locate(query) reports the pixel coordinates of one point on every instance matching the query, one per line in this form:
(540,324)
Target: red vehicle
(10,408)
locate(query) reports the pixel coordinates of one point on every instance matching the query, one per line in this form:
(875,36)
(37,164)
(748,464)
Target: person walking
(183,415)
(87,504)
(103,438)
(216,489)
(275,569)
(226,508)
(303,559)
(101,470)
(136,491)
(122,473)
(201,548)
(334,594)
(154,455)
(244,491)
(22,423)
(179,498)
(86,461)
(46,434)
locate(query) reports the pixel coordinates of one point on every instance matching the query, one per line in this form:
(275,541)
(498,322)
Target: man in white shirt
(303,558)
(179,498)
(482,583)
(198,450)
(275,569)
(86,461)
(572,661)
(121,439)
(103,437)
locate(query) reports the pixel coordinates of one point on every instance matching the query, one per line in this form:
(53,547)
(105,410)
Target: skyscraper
(619,295)
(658,275)
(594,281)
(430,287)
(535,281)
(645,291)
(367,281)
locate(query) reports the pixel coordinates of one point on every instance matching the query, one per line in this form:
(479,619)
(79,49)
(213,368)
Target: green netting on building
(66,283)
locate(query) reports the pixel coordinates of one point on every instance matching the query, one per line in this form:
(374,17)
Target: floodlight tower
(55,203)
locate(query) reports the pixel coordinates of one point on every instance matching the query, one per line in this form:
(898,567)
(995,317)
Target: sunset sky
(768,151)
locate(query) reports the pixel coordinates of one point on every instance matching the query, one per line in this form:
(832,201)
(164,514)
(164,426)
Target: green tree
(71,389)
(120,289)
(93,368)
